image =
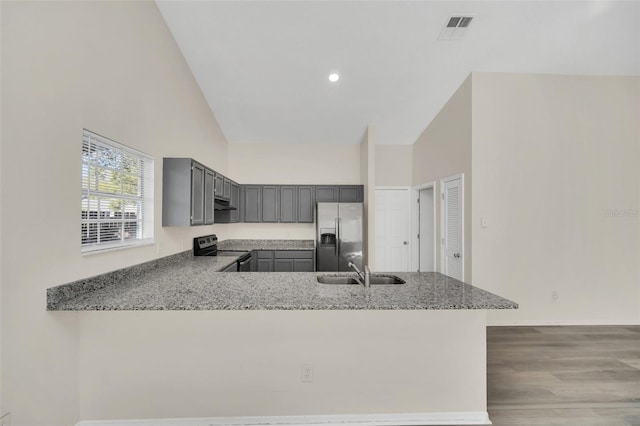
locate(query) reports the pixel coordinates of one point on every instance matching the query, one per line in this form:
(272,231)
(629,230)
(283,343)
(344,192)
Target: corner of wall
(368,179)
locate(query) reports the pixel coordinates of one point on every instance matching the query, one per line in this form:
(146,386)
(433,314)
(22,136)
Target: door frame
(409,219)
(442,220)
(415,224)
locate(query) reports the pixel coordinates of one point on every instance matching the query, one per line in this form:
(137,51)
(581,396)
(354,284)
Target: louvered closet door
(453,229)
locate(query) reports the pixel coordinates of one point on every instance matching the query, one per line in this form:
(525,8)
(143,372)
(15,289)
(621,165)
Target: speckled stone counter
(192,285)
(249,245)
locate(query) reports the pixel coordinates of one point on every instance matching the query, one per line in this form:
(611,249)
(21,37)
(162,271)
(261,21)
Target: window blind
(117,194)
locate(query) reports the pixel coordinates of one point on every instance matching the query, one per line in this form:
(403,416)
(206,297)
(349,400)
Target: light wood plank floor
(564,375)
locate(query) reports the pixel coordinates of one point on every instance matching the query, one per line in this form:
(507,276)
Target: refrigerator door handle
(337,236)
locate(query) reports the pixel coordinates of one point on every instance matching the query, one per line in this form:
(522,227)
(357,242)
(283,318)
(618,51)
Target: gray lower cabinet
(185,201)
(327,194)
(306,202)
(251,203)
(270,206)
(350,194)
(265,261)
(288,204)
(285,261)
(283,265)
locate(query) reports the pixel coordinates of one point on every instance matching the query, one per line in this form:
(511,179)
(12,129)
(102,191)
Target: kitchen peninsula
(195,342)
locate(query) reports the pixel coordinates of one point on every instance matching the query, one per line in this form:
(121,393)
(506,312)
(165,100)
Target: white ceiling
(263,65)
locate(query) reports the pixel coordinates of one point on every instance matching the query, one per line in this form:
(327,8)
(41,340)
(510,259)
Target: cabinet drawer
(294,254)
(265,254)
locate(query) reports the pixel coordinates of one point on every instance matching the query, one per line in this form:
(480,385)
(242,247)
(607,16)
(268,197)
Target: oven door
(244,263)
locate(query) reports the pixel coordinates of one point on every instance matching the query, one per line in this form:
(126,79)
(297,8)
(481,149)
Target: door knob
(405,242)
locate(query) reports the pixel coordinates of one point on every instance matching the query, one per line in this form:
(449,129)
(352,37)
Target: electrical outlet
(5,420)
(554,295)
(307,373)
(483,222)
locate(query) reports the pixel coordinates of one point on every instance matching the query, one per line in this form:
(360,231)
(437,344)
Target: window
(117,195)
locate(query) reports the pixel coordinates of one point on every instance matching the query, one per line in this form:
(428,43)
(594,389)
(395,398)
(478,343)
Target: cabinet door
(305,204)
(234,201)
(226,192)
(326,194)
(283,265)
(288,204)
(270,210)
(197,194)
(350,194)
(251,203)
(209,178)
(302,265)
(265,265)
(219,185)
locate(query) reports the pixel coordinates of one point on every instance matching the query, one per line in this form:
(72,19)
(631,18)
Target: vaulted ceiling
(263,66)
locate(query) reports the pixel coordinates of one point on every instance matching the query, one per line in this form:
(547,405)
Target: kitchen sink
(374,279)
(386,279)
(337,280)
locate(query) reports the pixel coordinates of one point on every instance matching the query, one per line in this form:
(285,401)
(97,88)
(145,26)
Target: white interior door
(392,225)
(453,227)
(426,230)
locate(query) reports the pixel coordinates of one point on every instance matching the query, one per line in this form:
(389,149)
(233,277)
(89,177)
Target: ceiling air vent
(455,28)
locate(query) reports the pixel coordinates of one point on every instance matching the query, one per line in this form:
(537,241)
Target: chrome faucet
(364,278)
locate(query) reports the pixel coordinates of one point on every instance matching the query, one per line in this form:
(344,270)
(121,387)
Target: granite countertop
(250,245)
(191,285)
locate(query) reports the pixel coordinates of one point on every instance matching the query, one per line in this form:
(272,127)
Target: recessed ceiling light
(334,77)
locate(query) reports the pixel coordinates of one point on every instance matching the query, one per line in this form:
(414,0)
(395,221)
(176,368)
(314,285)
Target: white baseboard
(533,323)
(405,419)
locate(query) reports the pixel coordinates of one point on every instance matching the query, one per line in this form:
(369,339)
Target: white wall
(114,68)
(289,164)
(394,165)
(232,363)
(442,150)
(556,171)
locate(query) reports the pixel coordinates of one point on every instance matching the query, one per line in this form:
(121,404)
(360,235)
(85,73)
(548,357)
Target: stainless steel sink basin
(386,279)
(374,279)
(337,280)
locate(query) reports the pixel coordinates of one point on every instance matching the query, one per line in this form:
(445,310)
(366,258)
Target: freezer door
(326,233)
(350,235)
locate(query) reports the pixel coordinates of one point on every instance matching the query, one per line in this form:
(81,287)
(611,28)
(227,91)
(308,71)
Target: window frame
(94,216)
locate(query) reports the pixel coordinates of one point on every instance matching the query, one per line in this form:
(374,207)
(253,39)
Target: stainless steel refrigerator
(339,236)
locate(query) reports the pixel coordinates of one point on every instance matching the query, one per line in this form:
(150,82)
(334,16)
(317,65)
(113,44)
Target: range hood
(222,205)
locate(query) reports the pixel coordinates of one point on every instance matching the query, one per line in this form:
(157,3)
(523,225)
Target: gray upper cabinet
(306,202)
(327,194)
(350,194)
(288,204)
(251,203)
(219,185)
(234,201)
(209,178)
(231,216)
(226,191)
(197,194)
(184,193)
(270,206)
